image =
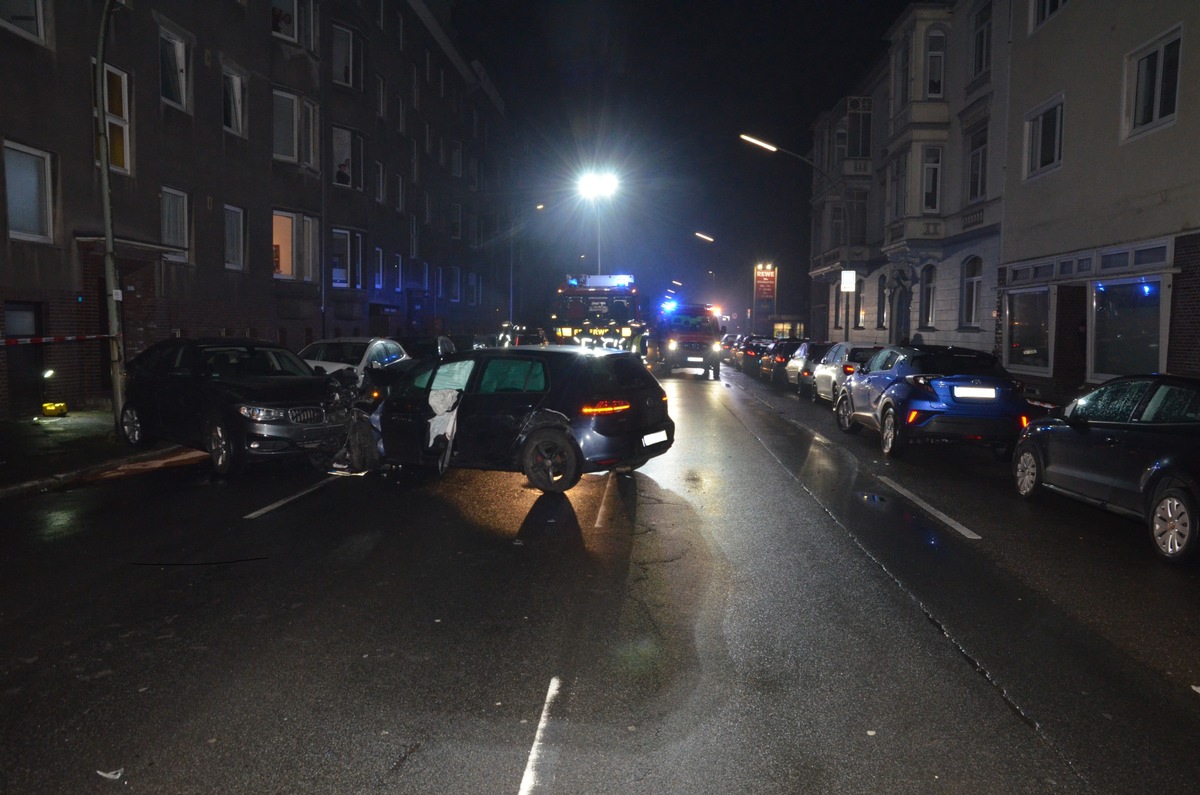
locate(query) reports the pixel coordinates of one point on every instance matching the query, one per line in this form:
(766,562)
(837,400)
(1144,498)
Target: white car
(356,353)
(841,360)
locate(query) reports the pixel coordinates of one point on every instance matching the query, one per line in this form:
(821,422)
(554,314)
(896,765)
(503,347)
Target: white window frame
(926,306)
(380,183)
(935,65)
(45,212)
(184,224)
(235,243)
(341,247)
(353,58)
(981,40)
(302,22)
(380,96)
(399,193)
(1136,87)
(977,164)
(181,79)
(972,295)
(1051,293)
(39,23)
(116,120)
(399,273)
(354,141)
(305,245)
(308,128)
(233,99)
(1035,133)
(293,119)
(378,268)
(931,179)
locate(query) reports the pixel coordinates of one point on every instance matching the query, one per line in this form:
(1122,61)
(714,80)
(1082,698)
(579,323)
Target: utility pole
(111,286)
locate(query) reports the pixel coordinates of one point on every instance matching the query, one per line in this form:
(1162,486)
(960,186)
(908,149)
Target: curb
(67,479)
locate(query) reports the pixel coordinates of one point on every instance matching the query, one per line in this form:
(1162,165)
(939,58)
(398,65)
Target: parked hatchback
(799,369)
(552,413)
(240,400)
(837,363)
(1131,446)
(933,393)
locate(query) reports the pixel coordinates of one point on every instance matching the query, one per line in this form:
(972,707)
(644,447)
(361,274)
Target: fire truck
(597,310)
(687,335)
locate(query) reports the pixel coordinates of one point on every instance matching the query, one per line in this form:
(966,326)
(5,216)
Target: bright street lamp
(594,186)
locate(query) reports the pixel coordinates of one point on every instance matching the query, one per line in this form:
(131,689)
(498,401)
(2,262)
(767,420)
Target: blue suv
(933,393)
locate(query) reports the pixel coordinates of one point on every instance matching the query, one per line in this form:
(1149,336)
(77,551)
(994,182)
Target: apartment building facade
(1016,196)
(283,169)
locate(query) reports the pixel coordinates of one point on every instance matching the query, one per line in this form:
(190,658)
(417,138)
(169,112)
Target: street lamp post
(594,186)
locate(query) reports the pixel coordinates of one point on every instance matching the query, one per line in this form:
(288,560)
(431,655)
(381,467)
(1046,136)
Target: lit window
(116,117)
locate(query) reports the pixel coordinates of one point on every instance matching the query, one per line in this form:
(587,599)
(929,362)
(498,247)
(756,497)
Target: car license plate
(654,438)
(695,358)
(975,392)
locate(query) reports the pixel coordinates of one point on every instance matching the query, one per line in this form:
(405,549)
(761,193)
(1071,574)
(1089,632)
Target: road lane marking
(957,527)
(602,514)
(534,768)
(286,500)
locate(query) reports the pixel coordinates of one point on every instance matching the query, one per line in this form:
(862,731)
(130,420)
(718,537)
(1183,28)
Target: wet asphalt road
(768,608)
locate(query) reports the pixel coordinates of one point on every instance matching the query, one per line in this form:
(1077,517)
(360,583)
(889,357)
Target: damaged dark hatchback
(552,413)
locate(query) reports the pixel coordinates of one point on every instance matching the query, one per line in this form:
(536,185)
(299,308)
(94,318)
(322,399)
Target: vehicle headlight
(716,347)
(672,345)
(261,414)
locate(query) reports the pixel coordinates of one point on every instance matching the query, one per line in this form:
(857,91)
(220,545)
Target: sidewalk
(44,453)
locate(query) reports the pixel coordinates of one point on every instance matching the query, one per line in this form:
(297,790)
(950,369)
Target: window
(175,223)
(347,58)
(413,232)
(296,246)
(415,163)
(837,306)
(380,183)
(1110,403)
(1044,9)
(981,41)
(856,216)
(837,225)
(899,186)
(400,114)
(972,291)
(399,193)
(858,127)
(28,189)
(935,65)
(173,69)
(1154,72)
(380,97)
(116,116)
(399,273)
(24,17)
(456,161)
(860,307)
(1027,318)
(1127,327)
(928,285)
(378,269)
(977,148)
(902,75)
(310,135)
(416,88)
(292,20)
(452,284)
(285,127)
(345,260)
(881,304)
(347,158)
(454,221)
(1043,138)
(931,179)
(235,238)
(233,86)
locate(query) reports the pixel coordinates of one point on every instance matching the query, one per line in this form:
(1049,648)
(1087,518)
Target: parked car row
(1130,446)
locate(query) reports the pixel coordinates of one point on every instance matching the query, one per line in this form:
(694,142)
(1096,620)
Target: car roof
(345,339)
(208,342)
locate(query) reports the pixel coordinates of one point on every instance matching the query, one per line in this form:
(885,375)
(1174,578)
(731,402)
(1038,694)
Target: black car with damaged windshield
(240,400)
(552,413)
(1130,446)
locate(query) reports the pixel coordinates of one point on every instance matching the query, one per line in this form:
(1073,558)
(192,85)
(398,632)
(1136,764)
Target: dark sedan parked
(552,413)
(774,359)
(933,393)
(240,400)
(1131,446)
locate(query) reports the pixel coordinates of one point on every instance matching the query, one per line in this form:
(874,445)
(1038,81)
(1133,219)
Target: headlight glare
(261,414)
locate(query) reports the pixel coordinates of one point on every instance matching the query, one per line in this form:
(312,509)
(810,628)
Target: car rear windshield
(958,363)
(620,372)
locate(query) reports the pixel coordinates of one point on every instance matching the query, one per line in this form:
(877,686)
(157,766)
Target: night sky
(658,91)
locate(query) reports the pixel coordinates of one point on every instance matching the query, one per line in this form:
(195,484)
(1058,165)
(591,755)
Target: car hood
(280,389)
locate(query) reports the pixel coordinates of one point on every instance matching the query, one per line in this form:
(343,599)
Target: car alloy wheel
(1171,524)
(132,428)
(226,458)
(892,439)
(844,416)
(550,461)
(1027,471)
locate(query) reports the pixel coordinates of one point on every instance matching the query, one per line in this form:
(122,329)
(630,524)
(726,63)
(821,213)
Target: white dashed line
(286,500)
(934,512)
(534,768)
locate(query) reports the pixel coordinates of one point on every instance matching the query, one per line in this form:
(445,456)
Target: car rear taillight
(607,407)
(923,382)
(780,359)
(849,369)
(1024,421)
